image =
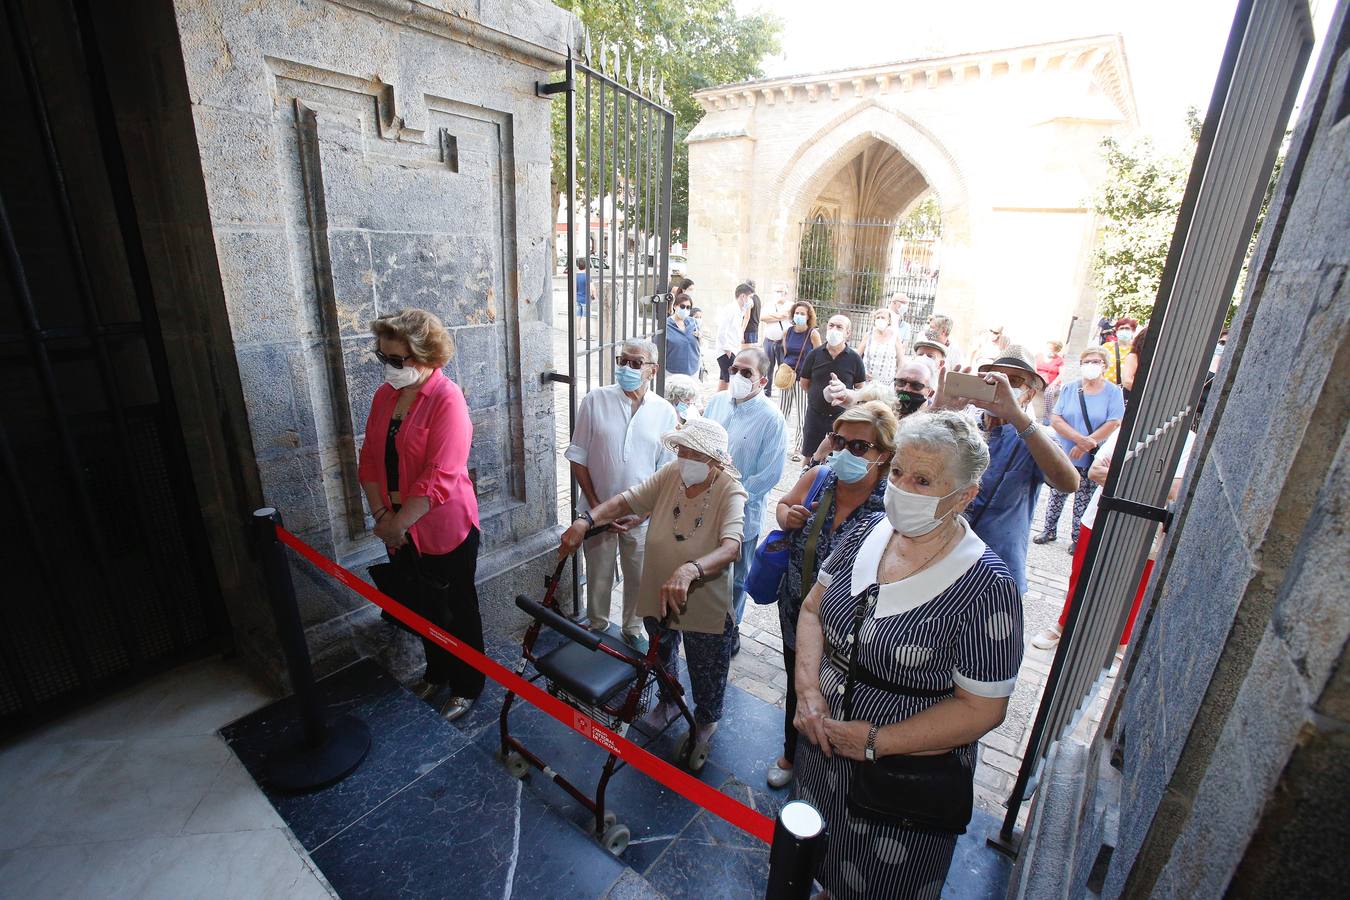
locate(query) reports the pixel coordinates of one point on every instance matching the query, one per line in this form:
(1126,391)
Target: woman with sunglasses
(414,470)
(683,343)
(820,507)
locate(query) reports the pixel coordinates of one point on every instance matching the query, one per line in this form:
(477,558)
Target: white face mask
(880,325)
(741,387)
(834,337)
(401,378)
(693,471)
(913,515)
(1092,371)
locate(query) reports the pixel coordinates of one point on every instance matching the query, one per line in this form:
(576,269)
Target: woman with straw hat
(695,507)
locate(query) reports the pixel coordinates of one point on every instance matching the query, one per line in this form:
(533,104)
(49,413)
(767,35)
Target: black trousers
(814,428)
(790,706)
(458,615)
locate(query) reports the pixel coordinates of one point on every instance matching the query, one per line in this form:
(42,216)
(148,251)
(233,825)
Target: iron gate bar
(625,176)
(1267,49)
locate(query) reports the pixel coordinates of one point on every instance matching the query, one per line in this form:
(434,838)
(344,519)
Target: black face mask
(907,402)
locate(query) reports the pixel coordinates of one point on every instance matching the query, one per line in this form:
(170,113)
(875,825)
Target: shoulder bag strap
(1082,405)
(866,600)
(1116,345)
(813,540)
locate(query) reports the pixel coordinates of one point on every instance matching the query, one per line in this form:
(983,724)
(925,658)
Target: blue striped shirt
(758,441)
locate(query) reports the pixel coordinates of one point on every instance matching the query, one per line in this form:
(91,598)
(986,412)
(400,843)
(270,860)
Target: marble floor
(138,796)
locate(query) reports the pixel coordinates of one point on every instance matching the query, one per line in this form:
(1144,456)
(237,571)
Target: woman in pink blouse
(414,470)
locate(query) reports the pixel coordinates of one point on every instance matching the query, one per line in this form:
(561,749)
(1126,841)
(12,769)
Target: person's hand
(675,592)
(389,531)
(572,538)
(624,523)
(849,739)
(1076,453)
(796,516)
(837,393)
(941,399)
(812,713)
(1086,444)
(1005,405)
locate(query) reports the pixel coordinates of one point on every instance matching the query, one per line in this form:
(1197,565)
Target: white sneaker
(1048,639)
(778,777)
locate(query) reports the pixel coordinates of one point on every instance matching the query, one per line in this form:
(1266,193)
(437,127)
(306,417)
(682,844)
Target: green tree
(687,44)
(1138,204)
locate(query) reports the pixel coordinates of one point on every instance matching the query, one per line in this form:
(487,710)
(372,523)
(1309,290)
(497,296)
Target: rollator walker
(604,680)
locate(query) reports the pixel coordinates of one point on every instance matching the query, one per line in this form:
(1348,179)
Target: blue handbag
(771,556)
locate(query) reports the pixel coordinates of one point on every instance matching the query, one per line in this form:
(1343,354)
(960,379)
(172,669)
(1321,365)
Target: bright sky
(1173,46)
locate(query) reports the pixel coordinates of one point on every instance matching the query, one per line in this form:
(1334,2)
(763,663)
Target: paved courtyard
(758,668)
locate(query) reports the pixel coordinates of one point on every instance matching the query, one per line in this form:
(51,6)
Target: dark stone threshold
(430,811)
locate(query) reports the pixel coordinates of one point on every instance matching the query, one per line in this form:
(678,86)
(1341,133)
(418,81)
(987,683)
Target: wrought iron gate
(619,145)
(854,267)
(1267,51)
(107,571)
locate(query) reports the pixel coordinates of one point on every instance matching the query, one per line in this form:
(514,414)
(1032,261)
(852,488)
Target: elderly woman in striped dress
(937,622)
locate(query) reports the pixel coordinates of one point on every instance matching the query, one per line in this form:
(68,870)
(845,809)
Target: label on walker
(705,795)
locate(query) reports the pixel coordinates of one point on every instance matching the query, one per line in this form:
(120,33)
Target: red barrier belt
(719,804)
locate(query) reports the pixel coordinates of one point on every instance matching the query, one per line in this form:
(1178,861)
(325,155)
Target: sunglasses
(857,446)
(684,306)
(393,360)
(630,363)
(905,384)
(744,370)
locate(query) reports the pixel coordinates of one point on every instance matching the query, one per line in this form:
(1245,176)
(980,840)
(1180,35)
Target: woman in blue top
(683,350)
(1104,404)
(819,513)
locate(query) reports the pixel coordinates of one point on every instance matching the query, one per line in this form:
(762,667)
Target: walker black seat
(591,676)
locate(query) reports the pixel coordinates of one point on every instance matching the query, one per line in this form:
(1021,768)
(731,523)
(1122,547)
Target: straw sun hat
(1016,359)
(706,437)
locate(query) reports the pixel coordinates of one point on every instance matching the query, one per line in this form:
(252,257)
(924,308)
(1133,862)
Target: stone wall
(1009,142)
(360,157)
(1230,723)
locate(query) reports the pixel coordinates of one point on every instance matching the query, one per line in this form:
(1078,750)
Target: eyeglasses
(906,384)
(857,446)
(393,360)
(744,370)
(630,363)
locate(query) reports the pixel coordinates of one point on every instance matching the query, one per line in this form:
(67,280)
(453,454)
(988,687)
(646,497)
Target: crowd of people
(905,535)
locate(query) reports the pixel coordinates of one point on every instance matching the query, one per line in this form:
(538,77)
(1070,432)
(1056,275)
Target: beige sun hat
(931,345)
(706,437)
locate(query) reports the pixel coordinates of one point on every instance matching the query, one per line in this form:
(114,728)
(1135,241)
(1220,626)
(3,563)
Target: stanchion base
(299,769)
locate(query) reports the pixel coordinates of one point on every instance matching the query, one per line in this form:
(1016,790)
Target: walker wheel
(615,839)
(610,819)
(682,749)
(516,764)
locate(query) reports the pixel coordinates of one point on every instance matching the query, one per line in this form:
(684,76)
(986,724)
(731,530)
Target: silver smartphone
(972,387)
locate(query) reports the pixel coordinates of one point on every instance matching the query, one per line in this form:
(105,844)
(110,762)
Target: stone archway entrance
(1007,141)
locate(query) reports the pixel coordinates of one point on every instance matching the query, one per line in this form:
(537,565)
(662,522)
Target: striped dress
(958,622)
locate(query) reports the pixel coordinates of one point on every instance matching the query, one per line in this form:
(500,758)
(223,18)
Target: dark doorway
(108,574)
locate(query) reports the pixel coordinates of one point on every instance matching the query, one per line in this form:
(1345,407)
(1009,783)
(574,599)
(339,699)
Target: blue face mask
(628,379)
(799,319)
(848,467)
(682,409)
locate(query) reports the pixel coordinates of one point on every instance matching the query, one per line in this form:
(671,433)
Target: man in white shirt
(757,436)
(616,446)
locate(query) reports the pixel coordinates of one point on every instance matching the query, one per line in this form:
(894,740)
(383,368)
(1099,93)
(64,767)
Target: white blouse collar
(912,592)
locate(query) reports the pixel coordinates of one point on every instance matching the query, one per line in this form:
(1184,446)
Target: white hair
(639,345)
(924,363)
(951,434)
(681,389)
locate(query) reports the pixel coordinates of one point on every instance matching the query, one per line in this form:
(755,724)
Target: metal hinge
(1139,510)
(543,89)
(551,376)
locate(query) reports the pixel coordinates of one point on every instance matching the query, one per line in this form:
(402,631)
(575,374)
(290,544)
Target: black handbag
(404,579)
(924,793)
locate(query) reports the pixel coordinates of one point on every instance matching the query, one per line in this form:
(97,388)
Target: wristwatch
(870,751)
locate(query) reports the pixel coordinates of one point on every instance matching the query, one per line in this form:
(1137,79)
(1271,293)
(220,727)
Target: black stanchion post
(327,752)
(799,839)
